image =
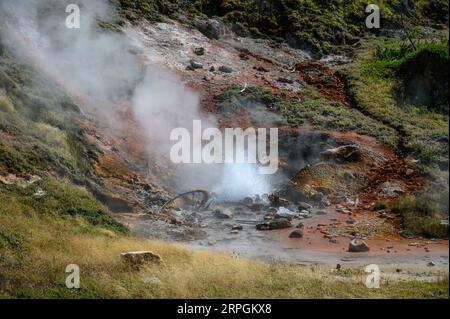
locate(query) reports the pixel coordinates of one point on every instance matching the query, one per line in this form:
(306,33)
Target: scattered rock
(212,68)
(139,258)
(237,227)
(243,56)
(285,80)
(303,206)
(278,223)
(431,264)
(276,201)
(409,172)
(40,193)
(392,189)
(195,64)
(285,213)
(348,177)
(305,213)
(300,225)
(406,234)
(296,234)
(261,69)
(199,51)
(317,197)
(223,214)
(177,219)
(225,69)
(358,246)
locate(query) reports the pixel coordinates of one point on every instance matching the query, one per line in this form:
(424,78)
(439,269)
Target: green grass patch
(59,199)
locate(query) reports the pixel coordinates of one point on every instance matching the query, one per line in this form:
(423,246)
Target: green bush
(380,205)
(6,104)
(61,199)
(422,214)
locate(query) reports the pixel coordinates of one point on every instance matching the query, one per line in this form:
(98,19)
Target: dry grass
(36,248)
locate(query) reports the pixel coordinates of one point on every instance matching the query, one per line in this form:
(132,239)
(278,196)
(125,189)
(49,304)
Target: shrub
(380,205)
(6,104)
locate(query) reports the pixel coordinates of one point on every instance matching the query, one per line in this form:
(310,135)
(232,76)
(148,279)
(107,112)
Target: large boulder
(210,28)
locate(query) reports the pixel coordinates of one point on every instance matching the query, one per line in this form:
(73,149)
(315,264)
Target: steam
(241,180)
(99,67)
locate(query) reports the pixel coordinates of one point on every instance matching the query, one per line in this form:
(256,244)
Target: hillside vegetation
(49,218)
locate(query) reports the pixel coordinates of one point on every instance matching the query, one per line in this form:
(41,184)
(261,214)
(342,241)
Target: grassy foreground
(36,247)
